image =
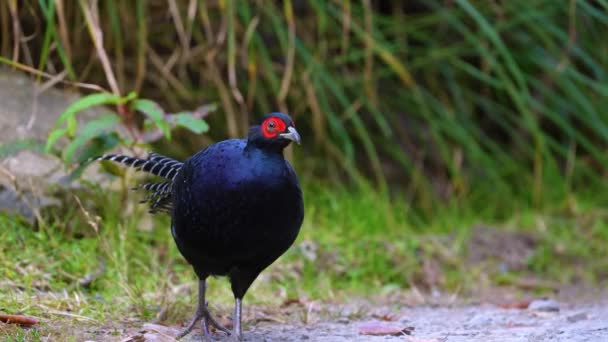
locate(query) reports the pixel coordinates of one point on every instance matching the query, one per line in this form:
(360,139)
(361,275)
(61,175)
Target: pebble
(546,305)
(343,320)
(578,317)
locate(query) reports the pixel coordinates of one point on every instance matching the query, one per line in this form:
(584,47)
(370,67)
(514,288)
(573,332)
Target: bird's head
(275,131)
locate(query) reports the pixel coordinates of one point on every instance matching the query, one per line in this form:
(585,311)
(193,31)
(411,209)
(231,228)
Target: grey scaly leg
(202,313)
(237,331)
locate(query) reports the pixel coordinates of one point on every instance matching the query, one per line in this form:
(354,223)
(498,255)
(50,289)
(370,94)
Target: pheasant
(235,206)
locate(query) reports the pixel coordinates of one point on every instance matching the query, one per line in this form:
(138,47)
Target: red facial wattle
(271,131)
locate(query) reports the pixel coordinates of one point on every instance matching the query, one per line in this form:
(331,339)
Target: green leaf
(92,129)
(68,152)
(192,123)
(102,123)
(98,146)
(53,137)
(112,168)
(152,110)
(81,104)
(88,102)
(72,125)
(130,97)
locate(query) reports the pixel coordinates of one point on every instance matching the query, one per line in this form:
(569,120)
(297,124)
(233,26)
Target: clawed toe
(207,320)
(217,325)
(190,326)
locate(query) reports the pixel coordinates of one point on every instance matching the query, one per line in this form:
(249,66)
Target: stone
(29,110)
(544,305)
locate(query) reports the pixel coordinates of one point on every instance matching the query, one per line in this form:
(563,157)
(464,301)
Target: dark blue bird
(235,207)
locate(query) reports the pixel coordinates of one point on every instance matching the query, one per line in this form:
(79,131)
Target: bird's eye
(271,127)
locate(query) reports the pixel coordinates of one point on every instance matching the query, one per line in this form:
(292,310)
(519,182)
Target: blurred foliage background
(437,100)
(420,120)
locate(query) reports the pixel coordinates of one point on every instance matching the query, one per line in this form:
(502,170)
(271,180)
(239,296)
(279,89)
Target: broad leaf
(190,122)
(53,137)
(90,130)
(88,102)
(97,146)
(152,110)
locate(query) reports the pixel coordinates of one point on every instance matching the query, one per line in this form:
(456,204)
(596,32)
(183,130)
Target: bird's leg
(237,331)
(202,313)
(200,310)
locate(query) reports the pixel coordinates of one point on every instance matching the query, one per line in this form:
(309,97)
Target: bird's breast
(236,194)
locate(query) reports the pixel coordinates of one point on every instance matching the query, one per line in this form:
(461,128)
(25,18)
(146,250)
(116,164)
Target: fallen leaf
(384,328)
(388,317)
(18,319)
(293,301)
(522,304)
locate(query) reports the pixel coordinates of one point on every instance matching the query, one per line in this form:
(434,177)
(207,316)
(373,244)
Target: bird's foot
(190,326)
(206,335)
(212,321)
(207,320)
(216,324)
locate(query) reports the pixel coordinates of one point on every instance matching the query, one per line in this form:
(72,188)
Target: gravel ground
(541,321)
(477,323)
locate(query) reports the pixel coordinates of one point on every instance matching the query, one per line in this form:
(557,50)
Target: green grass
(352,243)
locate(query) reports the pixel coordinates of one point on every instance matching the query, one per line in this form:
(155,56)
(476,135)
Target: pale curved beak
(292,135)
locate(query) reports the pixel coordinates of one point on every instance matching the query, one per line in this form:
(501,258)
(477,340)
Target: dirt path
(581,322)
(463,324)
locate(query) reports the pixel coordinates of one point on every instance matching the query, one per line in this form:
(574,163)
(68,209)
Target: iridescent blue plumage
(236,209)
(235,206)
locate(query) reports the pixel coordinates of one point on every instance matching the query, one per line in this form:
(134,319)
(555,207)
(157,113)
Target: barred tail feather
(159,188)
(159,194)
(155,164)
(125,160)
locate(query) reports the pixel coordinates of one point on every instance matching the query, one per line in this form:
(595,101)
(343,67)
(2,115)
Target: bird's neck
(266,149)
